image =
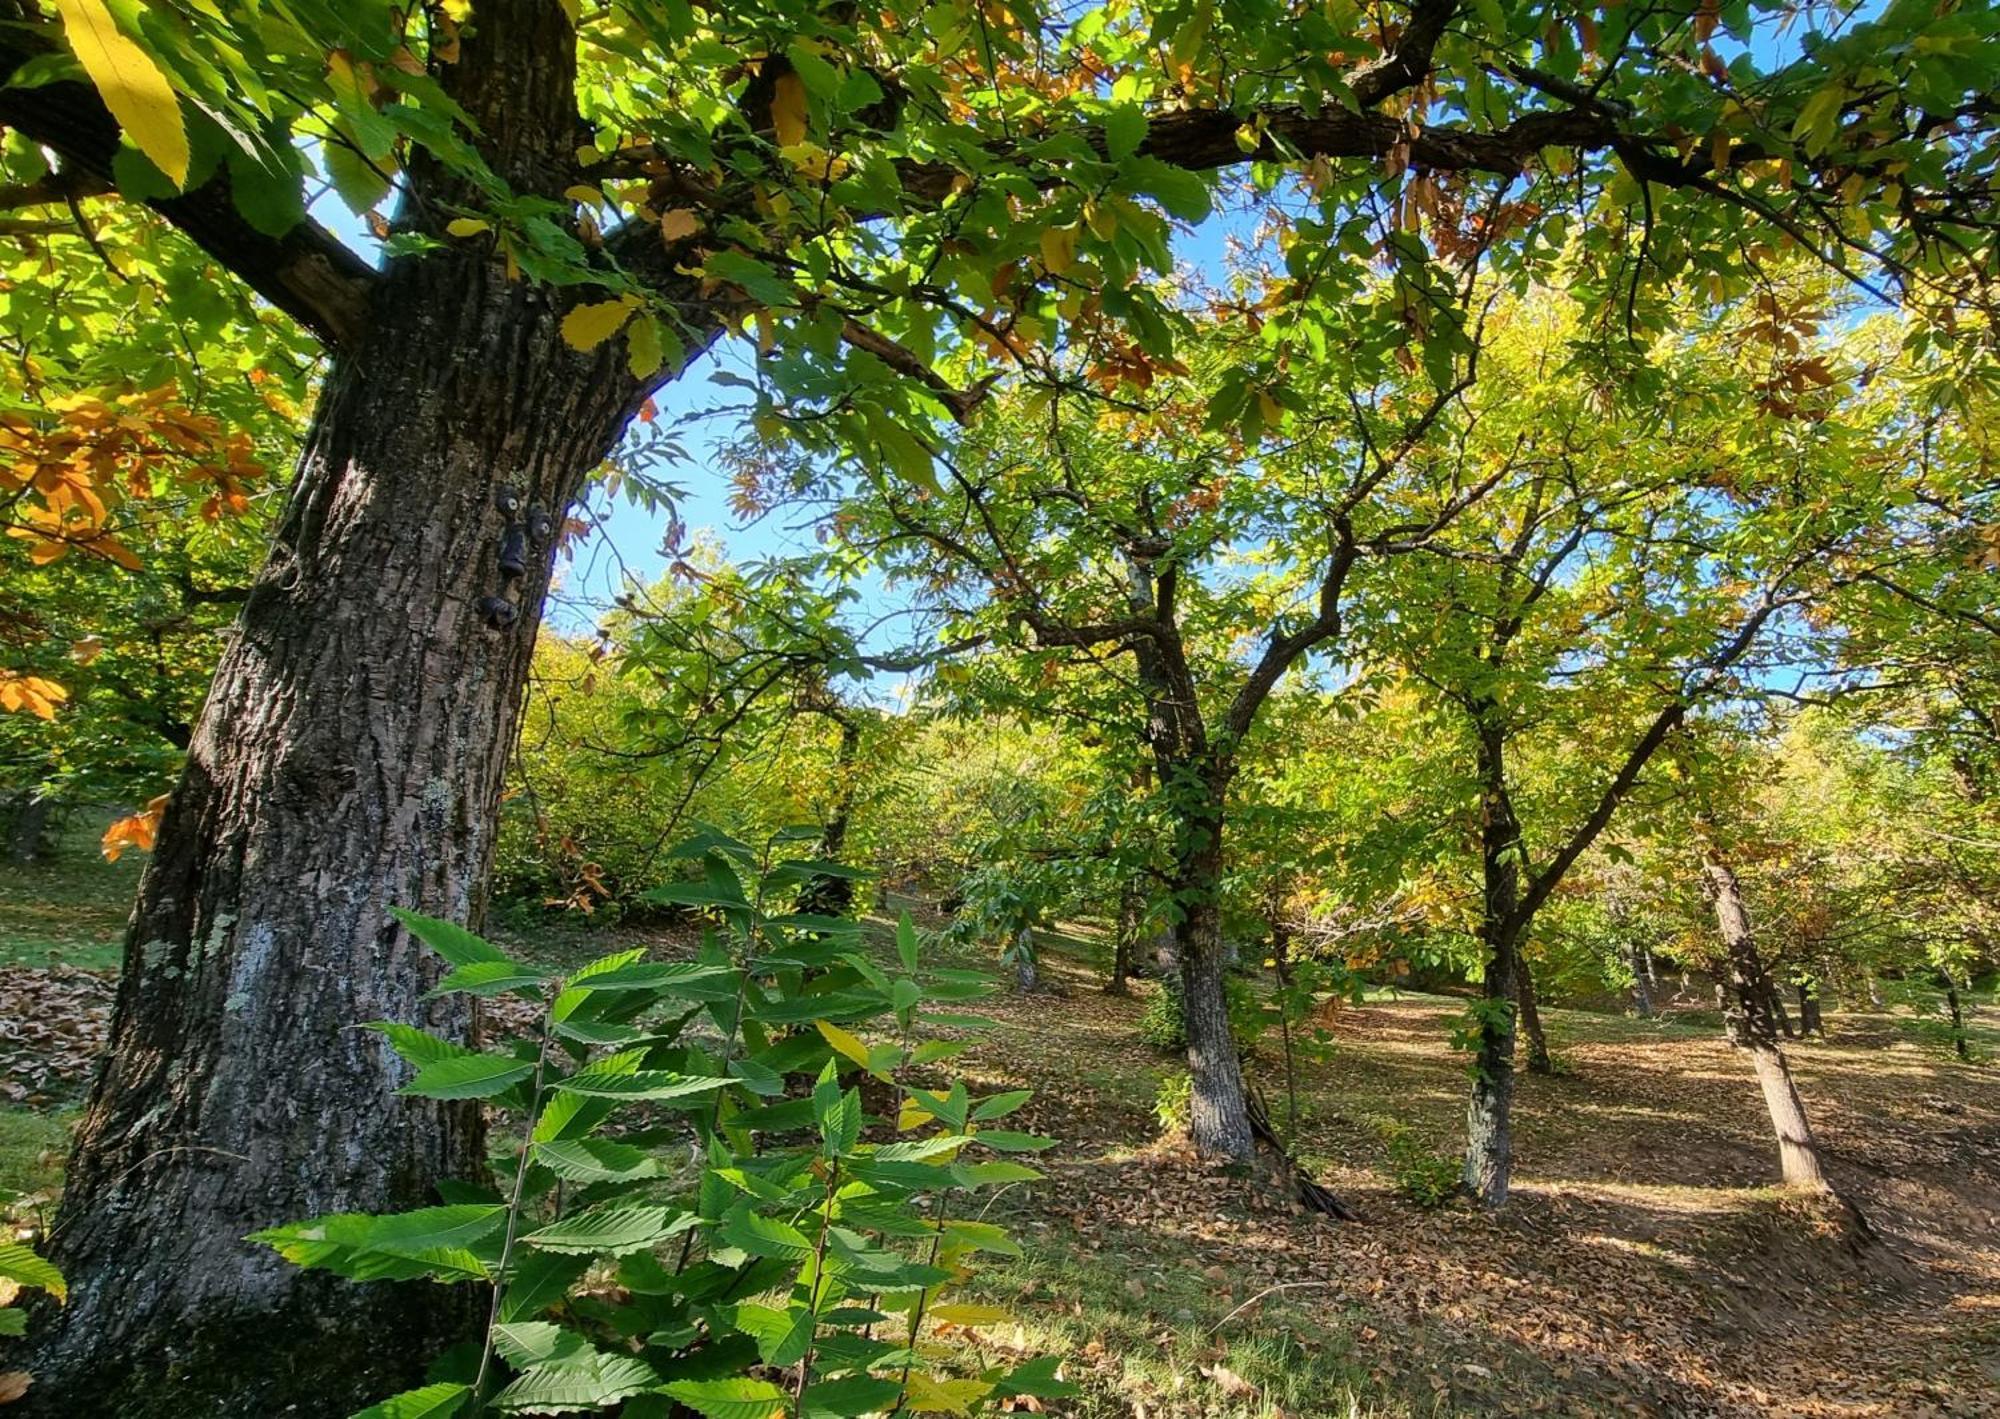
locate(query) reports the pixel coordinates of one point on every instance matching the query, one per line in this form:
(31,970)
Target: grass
(70,907)
(32,1145)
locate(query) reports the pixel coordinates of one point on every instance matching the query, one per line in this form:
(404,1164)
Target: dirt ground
(1644,1266)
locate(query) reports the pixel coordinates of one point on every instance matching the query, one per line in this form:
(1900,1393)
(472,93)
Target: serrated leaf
(612,1231)
(17,1263)
(438,1401)
(418,1047)
(764,1236)
(132,85)
(737,1397)
(448,939)
(588,326)
(486,978)
(468,1076)
(573,1385)
(597,1160)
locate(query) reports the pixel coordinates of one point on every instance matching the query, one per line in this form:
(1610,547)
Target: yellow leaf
(678,223)
(586,194)
(31,694)
(130,83)
(843,1042)
(788,110)
(913,1115)
(464,227)
(1058,249)
(968,1314)
(926,1395)
(588,326)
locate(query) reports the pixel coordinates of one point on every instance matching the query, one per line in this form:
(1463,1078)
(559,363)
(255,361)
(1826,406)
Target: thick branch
(306,272)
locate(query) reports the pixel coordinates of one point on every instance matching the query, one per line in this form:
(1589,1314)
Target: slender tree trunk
(1642,982)
(831,895)
(1489,1138)
(1652,965)
(1811,1022)
(1952,1004)
(349,758)
(1531,1018)
(1775,1003)
(1753,1029)
(1219,1117)
(1131,903)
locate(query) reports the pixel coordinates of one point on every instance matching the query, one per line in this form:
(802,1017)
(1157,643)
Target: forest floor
(1644,1265)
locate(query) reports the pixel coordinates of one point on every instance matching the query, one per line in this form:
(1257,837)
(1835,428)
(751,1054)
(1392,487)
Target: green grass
(32,1145)
(70,908)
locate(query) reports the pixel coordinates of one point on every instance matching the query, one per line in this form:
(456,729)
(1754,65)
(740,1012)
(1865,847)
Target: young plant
(696,1148)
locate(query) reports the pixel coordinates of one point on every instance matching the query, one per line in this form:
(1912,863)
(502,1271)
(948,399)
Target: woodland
(1122,708)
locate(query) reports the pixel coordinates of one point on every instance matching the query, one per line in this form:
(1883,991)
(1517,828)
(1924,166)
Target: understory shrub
(1173,1102)
(705,1216)
(1421,1173)
(1164,1023)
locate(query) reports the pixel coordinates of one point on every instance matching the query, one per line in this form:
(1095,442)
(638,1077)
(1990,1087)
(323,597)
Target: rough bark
(1753,1029)
(1489,1140)
(1219,1115)
(349,758)
(1531,1018)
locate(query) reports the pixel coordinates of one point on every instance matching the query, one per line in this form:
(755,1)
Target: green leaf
(1124,130)
(1006,1142)
(906,941)
(1000,1105)
(538,1280)
(539,1342)
(763,1236)
(613,1231)
(653,1084)
(438,1401)
(781,1336)
(17,1263)
(735,1398)
(487,978)
(418,1047)
(571,1385)
(449,940)
(848,1397)
(597,1160)
(13,1321)
(468,1076)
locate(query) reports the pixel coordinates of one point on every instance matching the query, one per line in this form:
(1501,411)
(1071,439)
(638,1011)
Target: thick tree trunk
(1531,1019)
(1219,1115)
(349,758)
(1775,1003)
(1753,1029)
(1489,1138)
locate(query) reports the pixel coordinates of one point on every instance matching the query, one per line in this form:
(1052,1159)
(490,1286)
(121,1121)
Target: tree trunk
(1531,1019)
(1642,981)
(831,895)
(1025,976)
(1753,1029)
(30,826)
(1951,1000)
(1811,1022)
(349,758)
(1131,903)
(1775,1003)
(1489,1140)
(1219,1115)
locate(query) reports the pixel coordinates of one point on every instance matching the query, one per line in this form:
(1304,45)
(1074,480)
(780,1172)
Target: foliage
(1173,1101)
(1163,1023)
(791,1262)
(1422,1174)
